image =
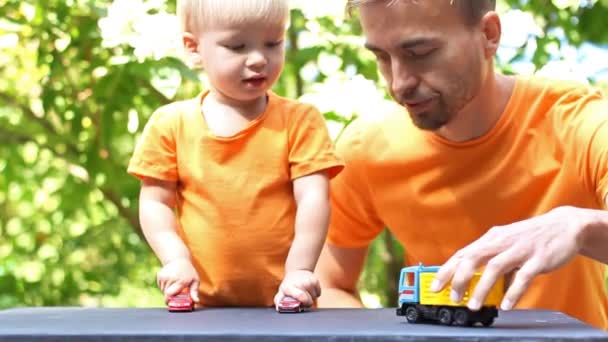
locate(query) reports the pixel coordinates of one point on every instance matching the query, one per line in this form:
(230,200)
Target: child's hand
(177,275)
(301,285)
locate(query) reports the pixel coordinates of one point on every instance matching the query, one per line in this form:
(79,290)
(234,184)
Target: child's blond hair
(196,15)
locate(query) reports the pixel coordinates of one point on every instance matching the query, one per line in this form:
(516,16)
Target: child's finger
(162,285)
(160,282)
(163,280)
(311,285)
(277,299)
(194,290)
(174,288)
(303,296)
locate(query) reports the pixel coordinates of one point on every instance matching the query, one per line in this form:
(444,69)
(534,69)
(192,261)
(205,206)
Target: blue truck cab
(409,281)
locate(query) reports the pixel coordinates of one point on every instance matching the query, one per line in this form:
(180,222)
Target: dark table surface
(150,324)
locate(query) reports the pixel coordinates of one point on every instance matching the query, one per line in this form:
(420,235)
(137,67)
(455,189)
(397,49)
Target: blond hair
(196,15)
(471,10)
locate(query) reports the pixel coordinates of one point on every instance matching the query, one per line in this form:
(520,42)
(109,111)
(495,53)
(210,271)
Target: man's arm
(529,247)
(595,240)
(338,271)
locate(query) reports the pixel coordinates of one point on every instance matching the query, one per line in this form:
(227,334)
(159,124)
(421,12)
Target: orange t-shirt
(235,204)
(549,149)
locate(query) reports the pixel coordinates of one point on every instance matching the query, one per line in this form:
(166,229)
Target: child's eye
(274,44)
(235,47)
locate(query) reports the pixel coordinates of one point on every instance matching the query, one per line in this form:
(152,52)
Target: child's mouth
(255,81)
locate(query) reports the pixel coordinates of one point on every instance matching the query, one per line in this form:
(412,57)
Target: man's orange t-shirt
(549,149)
(236,207)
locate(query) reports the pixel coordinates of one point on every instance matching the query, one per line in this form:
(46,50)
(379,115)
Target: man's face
(432,62)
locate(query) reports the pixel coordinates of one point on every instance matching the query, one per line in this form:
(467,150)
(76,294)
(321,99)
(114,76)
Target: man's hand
(530,247)
(177,275)
(301,285)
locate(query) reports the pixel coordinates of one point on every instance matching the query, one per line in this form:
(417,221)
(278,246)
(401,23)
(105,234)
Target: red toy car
(289,304)
(181,302)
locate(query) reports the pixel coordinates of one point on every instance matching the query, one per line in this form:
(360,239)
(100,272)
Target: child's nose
(256,59)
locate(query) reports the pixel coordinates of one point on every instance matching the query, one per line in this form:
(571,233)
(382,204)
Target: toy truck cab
(419,304)
(409,294)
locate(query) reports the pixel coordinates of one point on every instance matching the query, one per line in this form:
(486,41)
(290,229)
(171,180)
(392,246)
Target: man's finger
(462,277)
(520,283)
(495,268)
(446,271)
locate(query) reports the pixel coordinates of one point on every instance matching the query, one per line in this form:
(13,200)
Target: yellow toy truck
(420,305)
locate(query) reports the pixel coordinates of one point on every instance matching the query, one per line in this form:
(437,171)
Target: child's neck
(247,109)
(226,117)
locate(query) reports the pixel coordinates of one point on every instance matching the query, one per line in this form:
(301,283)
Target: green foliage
(68,210)
(71,108)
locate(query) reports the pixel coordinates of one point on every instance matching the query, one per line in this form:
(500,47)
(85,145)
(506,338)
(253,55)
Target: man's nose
(403,80)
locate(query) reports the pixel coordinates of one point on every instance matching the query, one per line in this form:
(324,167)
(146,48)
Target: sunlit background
(78,80)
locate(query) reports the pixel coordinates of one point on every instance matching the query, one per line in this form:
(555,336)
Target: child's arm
(312,197)
(157,201)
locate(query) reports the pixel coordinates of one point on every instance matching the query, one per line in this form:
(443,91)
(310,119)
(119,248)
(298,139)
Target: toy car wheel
(412,314)
(445,316)
(462,317)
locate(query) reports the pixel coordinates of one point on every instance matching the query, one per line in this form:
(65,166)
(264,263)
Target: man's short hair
(196,15)
(472,10)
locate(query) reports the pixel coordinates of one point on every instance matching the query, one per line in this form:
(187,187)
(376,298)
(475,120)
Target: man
(506,172)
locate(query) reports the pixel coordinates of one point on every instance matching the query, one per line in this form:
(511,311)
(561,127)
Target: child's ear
(190,43)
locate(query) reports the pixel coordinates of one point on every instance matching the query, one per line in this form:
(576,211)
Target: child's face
(242,61)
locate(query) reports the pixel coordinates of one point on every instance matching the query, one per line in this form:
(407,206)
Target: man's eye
(381,56)
(421,53)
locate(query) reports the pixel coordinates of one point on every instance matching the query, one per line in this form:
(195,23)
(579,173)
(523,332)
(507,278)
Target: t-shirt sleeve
(155,152)
(310,147)
(598,151)
(354,221)
(589,130)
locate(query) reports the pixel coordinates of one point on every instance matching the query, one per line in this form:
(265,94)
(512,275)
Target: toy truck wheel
(462,317)
(487,316)
(487,321)
(445,316)
(412,314)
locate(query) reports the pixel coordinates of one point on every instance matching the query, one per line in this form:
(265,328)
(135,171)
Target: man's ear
(190,43)
(491,29)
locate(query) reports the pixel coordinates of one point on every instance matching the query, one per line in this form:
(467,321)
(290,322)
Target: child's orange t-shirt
(236,207)
(549,149)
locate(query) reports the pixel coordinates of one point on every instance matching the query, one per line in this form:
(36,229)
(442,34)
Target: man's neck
(482,114)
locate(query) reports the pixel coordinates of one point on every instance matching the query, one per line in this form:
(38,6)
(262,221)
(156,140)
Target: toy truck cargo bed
(427,297)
